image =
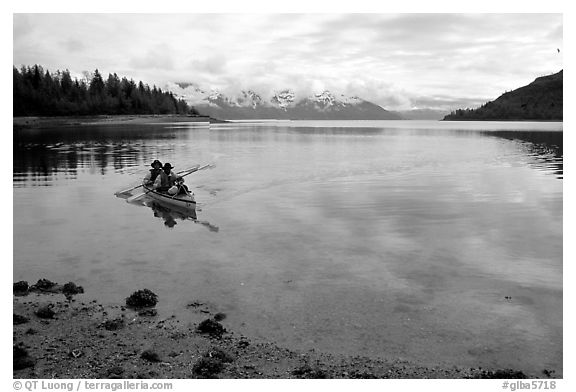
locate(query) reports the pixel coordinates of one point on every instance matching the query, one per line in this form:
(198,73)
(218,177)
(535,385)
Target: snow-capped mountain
(283,99)
(283,104)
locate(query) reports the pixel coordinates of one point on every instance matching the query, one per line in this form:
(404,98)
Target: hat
(156,162)
(168,166)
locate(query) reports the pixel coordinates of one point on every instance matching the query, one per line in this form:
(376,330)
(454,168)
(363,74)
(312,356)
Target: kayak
(182,201)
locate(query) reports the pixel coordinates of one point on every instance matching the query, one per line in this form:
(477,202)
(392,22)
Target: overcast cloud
(398,61)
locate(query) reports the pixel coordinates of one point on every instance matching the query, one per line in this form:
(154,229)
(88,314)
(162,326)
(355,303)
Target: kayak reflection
(171,215)
(168,213)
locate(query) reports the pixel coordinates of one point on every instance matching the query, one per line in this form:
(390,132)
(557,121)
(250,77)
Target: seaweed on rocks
(307,371)
(20,288)
(115,372)
(48,287)
(71,288)
(500,374)
(148,313)
(243,343)
(21,358)
(43,285)
(362,375)
(211,327)
(207,367)
(219,354)
(142,299)
(113,325)
(18,319)
(45,312)
(219,316)
(150,356)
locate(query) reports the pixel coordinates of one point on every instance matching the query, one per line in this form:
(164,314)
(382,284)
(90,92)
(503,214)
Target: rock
(115,372)
(43,284)
(211,327)
(148,312)
(21,359)
(20,288)
(500,374)
(71,288)
(142,299)
(31,331)
(219,316)
(362,375)
(219,354)
(45,312)
(243,343)
(208,367)
(150,355)
(18,319)
(113,325)
(306,371)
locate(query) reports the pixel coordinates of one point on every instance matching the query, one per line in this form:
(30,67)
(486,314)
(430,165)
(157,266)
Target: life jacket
(154,173)
(164,179)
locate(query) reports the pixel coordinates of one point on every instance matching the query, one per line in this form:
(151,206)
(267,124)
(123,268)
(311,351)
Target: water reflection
(544,148)
(42,156)
(170,215)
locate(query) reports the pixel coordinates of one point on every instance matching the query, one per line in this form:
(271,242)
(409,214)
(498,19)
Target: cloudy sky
(399,61)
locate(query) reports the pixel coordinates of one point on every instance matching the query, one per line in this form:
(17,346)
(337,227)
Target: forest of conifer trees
(40,93)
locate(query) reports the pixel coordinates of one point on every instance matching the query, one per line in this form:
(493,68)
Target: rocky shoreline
(57,335)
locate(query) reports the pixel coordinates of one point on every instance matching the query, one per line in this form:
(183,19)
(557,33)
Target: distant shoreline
(40,121)
(500,120)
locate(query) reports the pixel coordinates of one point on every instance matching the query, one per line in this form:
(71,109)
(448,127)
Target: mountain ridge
(282,105)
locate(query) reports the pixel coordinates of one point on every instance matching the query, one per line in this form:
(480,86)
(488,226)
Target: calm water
(393,239)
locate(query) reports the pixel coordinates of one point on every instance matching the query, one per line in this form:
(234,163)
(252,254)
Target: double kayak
(185,201)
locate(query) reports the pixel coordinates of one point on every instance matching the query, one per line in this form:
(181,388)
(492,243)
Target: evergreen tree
(38,92)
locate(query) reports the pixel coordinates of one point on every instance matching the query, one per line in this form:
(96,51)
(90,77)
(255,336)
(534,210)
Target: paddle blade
(189,170)
(127,190)
(193,170)
(136,197)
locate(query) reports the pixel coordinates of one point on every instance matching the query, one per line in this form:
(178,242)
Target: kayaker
(165,179)
(151,176)
(178,188)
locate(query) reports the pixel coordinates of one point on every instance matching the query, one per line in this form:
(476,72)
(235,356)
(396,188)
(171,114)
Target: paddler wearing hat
(153,173)
(165,179)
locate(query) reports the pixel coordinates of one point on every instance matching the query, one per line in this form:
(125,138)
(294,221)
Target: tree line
(494,111)
(40,93)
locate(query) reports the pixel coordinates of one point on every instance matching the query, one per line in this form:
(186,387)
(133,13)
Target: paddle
(136,197)
(181,174)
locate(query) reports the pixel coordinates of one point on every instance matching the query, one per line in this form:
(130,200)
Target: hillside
(540,100)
